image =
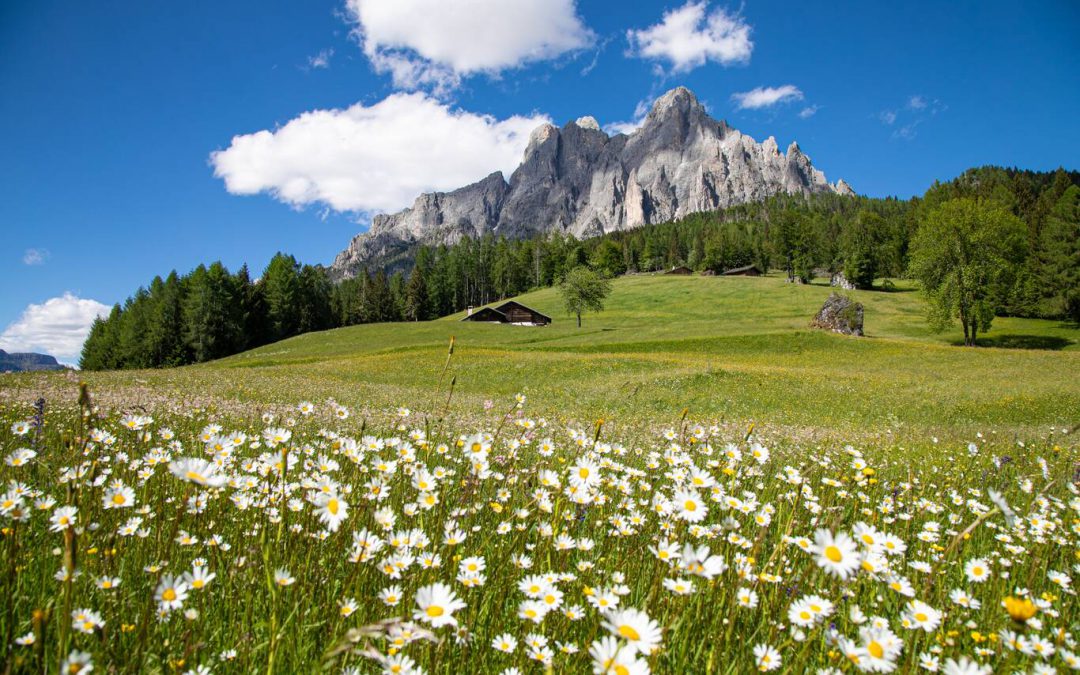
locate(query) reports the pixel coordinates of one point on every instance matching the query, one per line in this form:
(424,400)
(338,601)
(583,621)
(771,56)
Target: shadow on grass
(1021,342)
(889,287)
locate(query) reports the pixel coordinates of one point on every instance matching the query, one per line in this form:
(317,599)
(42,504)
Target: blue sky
(111,113)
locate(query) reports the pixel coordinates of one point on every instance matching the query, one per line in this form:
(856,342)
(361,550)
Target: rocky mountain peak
(588,122)
(578,180)
(678,100)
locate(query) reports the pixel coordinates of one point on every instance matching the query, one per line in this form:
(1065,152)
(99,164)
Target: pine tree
(312,301)
(416,296)
(1059,258)
(99,350)
(281,288)
(165,331)
(212,327)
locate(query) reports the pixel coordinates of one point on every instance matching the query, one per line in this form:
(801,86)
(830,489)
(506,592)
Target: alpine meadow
(646,396)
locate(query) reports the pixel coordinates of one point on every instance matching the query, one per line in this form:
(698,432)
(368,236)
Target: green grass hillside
(729,349)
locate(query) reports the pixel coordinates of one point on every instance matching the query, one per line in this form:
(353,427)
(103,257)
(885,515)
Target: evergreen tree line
(210,313)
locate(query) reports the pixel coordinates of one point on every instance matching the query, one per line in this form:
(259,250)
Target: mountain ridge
(26,361)
(579,180)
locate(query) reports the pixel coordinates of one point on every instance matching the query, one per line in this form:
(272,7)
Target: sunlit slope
(658,308)
(736,349)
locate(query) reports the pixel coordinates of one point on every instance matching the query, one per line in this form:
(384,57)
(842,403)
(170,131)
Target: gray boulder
(840,314)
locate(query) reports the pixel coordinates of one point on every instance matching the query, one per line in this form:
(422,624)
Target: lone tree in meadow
(583,290)
(965,254)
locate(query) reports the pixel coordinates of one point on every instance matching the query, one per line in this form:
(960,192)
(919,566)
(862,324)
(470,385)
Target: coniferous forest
(211,312)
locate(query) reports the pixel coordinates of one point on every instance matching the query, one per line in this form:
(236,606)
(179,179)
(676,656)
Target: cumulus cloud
(58,326)
(916,102)
(689,36)
(809,111)
(887,117)
(434,43)
(373,158)
(764,97)
(35,256)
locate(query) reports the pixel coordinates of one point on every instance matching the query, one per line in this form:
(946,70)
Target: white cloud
(640,111)
(908,131)
(373,158)
(916,110)
(763,97)
(434,43)
(36,256)
(809,111)
(57,326)
(688,37)
(320,60)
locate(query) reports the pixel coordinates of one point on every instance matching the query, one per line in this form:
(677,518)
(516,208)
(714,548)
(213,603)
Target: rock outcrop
(840,314)
(10,362)
(578,180)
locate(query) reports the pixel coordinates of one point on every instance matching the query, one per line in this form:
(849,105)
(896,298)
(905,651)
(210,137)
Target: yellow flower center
(583,472)
(168,594)
(628,632)
(875,649)
(118,498)
(920,617)
(195,476)
(833,553)
(690,505)
(434,611)
(332,506)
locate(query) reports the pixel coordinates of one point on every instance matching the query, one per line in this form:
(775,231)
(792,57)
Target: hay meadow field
(692,482)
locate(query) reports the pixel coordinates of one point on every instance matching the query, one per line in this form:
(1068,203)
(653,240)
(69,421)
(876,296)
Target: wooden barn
(745,271)
(681,269)
(512,312)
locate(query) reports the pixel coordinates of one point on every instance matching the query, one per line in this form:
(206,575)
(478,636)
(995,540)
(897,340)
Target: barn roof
(514,303)
(486,314)
(740,270)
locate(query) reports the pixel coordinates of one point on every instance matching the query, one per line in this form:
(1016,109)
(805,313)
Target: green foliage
(583,291)
(282,290)
(416,296)
(607,259)
(966,254)
(663,343)
(861,246)
(1059,258)
(799,234)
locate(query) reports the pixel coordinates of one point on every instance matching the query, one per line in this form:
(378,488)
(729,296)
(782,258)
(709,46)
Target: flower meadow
(317,539)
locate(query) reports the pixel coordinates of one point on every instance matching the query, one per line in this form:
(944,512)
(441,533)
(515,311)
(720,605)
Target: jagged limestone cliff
(579,180)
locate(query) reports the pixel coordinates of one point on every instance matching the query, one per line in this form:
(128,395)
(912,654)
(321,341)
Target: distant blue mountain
(19,362)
